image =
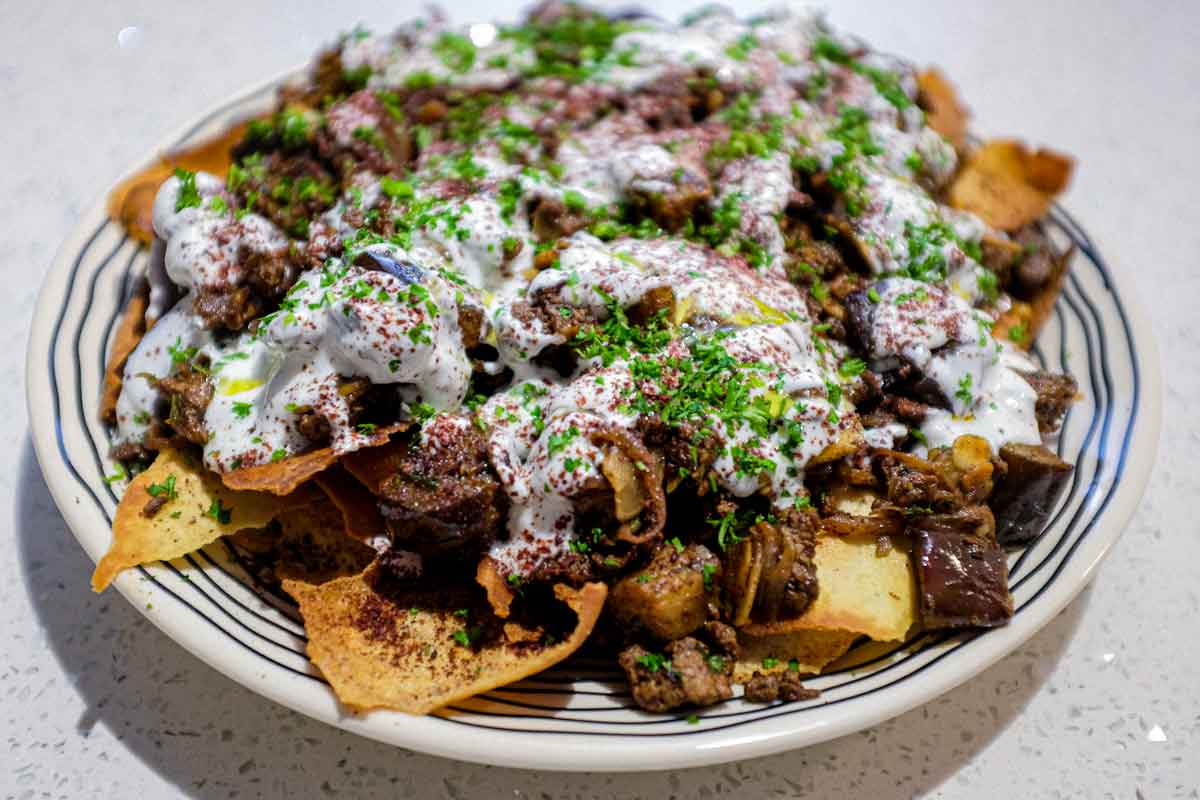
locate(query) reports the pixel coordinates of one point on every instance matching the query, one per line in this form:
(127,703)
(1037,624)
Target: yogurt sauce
(937,332)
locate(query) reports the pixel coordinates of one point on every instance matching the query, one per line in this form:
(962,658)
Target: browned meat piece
(359,133)
(822,257)
(670,596)
(290,189)
(770,574)
(328,77)
(909,411)
(913,481)
(962,572)
(1034,265)
(470,322)
(551,219)
(670,102)
(188,391)
(686,450)
(674,208)
(651,305)
(1026,495)
(882,522)
(865,391)
(652,679)
(705,680)
(688,674)
(785,686)
(230,308)
(443,495)
(270,275)
(131,451)
(722,637)
(1055,395)
(1000,255)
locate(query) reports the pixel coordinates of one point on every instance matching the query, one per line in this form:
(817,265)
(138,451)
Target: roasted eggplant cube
(963,580)
(1026,495)
(668,598)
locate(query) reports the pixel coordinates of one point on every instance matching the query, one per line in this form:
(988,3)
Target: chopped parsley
(963,392)
(189,196)
(654,662)
(559,441)
(852,368)
(165,489)
(218,512)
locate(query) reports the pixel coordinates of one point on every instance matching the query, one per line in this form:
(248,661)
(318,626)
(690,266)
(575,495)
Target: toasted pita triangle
(129,332)
(416,651)
(282,477)
(199,510)
(1008,185)
(859,592)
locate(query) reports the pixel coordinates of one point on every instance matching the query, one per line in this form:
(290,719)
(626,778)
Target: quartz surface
(1104,702)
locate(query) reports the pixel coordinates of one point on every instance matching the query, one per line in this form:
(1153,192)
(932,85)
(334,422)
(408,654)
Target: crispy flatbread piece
(861,593)
(944,112)
(129,332)
(811,651)
(1008,185)
(417,651)
(315,546)
(358,507)
(308,544)
(282,477)
(375,465)
(195,510)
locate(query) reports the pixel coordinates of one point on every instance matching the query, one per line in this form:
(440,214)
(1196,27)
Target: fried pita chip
(282,477)
(375,465)
(1008,185)
(129,332)
(359,508)
(811,652)
(416,651)
(316,547)
(308,543)
(132,203)
(859,592)
(190,509)
(944,112)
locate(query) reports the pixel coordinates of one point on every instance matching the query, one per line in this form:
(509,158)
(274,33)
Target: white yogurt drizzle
(937,332)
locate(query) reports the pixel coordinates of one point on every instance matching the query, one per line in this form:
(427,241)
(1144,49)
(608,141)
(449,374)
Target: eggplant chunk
(962,576)
(669,598)
(860,317)
(1025,497)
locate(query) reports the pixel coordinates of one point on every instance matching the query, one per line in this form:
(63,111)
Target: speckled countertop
(1104,702)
